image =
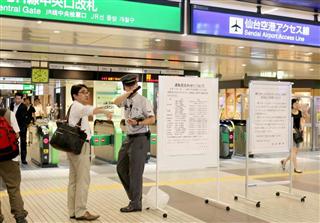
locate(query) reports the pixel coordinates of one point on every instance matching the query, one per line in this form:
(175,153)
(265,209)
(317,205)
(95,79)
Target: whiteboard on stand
(188,124)
(270,116)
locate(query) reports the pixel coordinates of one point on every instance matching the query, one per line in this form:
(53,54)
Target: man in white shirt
(11,175)
(79,170)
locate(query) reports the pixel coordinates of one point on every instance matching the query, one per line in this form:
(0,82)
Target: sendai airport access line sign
(122,13)
(217,22)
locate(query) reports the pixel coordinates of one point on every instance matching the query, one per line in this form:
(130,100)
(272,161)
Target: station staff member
(138,114)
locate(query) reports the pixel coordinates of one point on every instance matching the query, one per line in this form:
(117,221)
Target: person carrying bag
(78,128)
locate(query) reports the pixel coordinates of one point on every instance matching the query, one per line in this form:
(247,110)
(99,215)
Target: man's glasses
(84,92)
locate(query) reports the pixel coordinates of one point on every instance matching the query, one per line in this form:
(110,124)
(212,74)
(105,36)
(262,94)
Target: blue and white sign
(254,28)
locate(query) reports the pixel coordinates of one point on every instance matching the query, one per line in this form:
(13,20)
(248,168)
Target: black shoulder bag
(68,138)
(297,136)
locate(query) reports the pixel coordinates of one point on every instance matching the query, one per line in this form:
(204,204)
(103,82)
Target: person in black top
(20,111)
(31,112)
(297,126)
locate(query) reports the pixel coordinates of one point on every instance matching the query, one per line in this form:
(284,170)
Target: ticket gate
(226,139)
(103,140)
(39,148)
(153,140)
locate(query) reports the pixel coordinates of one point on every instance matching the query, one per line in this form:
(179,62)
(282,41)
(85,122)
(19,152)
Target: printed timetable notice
(187,115)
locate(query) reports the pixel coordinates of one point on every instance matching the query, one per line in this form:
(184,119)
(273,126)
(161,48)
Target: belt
(138,134)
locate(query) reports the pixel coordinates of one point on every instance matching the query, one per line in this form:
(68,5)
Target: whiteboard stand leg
(217,203)
(257,203)
(298,197)
(237,196)
(289,194)
(164,212)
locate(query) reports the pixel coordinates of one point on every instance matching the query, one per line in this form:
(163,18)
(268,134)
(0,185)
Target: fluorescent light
(292,45)
(185,34)
(157,40)
(311,69)
(308,54)
(240,47)
(270,10)
(39,22)
(244,65)
(56,31)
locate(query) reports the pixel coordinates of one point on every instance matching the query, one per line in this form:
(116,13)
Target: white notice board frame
(253,86)
(273,137)
(177,160)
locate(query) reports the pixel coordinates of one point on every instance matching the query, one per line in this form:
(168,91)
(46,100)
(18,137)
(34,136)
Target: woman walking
(297,128)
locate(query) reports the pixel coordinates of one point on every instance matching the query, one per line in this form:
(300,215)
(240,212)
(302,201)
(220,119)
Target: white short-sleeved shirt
(137,107)
(78,111)
(15,126)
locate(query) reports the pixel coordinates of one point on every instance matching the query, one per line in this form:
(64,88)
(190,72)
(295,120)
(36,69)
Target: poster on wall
(270,116)
(187,122)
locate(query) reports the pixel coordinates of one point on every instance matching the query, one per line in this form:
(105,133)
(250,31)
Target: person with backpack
(9,164)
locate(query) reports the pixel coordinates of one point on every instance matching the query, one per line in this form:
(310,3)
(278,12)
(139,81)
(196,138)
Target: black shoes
(21,220)
(297,171)
(24,162)
(283,165)
(129,208)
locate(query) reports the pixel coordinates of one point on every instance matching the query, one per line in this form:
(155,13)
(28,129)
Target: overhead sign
(123,13)
(17,87)
(218,22)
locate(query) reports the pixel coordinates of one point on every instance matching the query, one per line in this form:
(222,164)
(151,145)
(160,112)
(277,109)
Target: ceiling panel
(111,46)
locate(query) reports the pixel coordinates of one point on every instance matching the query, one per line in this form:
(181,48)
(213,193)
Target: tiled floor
(44,193)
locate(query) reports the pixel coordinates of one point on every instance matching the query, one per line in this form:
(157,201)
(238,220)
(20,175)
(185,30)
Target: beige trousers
(11,175)
(79,180)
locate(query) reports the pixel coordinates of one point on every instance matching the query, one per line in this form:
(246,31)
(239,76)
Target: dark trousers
(130,167)
(11,175)
(23,145)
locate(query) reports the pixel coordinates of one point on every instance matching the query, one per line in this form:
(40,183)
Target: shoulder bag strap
(68,113)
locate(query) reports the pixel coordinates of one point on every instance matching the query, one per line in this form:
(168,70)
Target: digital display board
(226,23)
(120,13)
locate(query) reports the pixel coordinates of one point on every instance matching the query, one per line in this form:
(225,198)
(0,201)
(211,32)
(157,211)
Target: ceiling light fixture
(270,10)
(39,22)
(240,47)
(157,40)
(56,31)
(308,54)
(292,45)
(244,65)
(311,69)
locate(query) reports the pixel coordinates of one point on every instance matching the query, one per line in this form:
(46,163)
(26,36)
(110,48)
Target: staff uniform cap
(129,79)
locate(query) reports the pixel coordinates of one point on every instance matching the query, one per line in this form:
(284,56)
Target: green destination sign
(121,13)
